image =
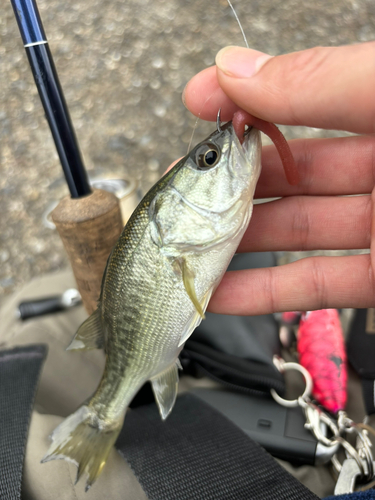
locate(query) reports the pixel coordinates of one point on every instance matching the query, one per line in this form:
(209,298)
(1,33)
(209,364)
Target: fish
(158,281)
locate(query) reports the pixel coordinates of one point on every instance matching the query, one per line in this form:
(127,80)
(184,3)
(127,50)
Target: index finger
(325,87)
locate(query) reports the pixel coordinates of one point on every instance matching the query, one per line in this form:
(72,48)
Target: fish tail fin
(84,440)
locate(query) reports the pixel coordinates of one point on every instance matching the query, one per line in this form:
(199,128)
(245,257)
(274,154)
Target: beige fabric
(68,378)
(55,480)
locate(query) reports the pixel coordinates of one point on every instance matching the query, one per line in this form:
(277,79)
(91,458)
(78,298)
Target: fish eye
(207,156)
(210,157)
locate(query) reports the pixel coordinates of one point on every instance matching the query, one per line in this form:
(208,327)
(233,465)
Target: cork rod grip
(89,227)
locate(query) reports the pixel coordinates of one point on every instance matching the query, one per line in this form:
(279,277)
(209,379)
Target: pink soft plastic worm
(242,118)
(322,352)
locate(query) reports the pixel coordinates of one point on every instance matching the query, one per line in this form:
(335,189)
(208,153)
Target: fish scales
(156,286)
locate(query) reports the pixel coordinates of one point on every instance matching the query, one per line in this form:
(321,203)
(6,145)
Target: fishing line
(198,117)
(239,24)
(192,134)
(213,93)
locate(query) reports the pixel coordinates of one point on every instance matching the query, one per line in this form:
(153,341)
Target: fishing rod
(51,95)
(89,222)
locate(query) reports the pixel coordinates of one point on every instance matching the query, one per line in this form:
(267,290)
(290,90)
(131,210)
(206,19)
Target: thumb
(325,87)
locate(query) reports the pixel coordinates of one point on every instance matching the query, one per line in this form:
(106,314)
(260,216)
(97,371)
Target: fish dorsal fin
(188,280)
(89,335)
(195,320)
(165,387)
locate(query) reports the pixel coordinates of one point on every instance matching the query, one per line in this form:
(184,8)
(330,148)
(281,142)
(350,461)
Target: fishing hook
(218,121)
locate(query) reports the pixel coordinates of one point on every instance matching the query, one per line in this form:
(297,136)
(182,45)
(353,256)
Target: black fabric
(361,355)
(19,374)
(199,454)
(368,391)
(255,338)
(254,377)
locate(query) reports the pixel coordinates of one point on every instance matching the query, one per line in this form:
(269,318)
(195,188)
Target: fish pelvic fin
(165,386)
(84,440)
(188,280)
(89,335)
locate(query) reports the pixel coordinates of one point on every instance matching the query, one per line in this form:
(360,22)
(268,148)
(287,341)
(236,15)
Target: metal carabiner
(316,421)
(315,417)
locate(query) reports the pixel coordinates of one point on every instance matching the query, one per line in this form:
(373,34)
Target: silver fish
(158,281)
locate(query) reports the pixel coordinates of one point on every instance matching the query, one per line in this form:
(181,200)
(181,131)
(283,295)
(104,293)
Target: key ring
(352,452)
(282,366)
(347,425)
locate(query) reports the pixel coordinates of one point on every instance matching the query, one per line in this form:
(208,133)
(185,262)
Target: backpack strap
(19,375)
(198,453)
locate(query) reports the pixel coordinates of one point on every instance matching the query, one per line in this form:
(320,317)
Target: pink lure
(241,118)
(322,352)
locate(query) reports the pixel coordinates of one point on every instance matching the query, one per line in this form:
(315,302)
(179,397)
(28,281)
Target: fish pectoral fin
(89,335)
(188,280)
(84,440)
(195,320)
(165,387)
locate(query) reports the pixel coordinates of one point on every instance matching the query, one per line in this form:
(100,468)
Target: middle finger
(309,223)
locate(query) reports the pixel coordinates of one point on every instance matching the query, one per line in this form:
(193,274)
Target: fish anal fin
(89,335)
(188,280)
(82,440)
(165,387)
(195,320)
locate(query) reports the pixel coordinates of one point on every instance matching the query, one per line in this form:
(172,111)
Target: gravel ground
(123,66)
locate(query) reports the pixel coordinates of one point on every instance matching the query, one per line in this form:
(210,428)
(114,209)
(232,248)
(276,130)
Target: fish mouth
(245,148)
(239,129)
(242,132)
(241,123)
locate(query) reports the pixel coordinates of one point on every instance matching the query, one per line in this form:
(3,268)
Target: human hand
(329,88)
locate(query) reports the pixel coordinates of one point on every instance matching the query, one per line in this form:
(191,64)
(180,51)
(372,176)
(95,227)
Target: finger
(325,87)
(372,243)
(203,96)
(172,165)
(311,283)
(309,223)
(336,166)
